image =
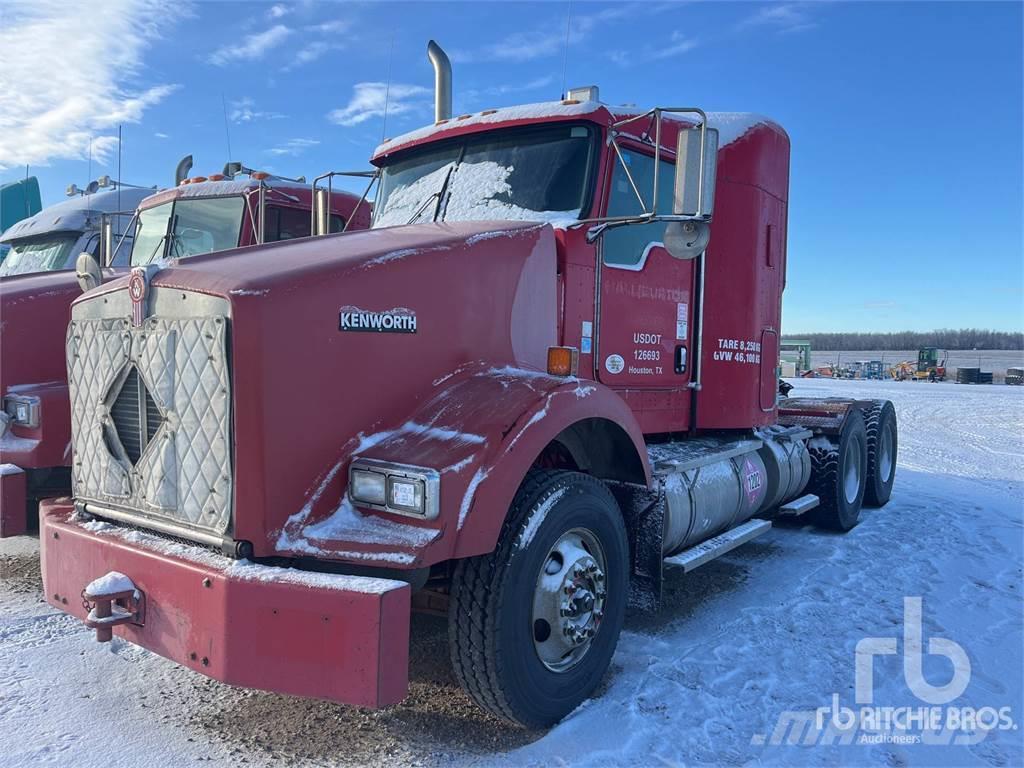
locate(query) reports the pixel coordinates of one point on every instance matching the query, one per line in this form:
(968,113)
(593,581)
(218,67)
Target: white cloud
(308,53)
(785,17)
(72,72)
(368,100)
(244,111)
(160,135)
(293,147)
(334,26)
(678,44)
(278,10)
(252,47)
(548,40)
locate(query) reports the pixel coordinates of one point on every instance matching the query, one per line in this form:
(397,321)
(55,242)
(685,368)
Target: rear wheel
(882,439)
(533,625)
(839,473)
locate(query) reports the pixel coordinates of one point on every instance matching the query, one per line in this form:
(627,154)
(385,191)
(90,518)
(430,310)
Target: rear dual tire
(839,474)
(883,445)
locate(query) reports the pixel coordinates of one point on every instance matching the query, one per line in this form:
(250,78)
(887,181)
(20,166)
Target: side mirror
(686,239)
(321,215)
(695,173)
(88,272)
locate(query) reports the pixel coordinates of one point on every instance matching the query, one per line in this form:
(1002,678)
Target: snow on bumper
(342,638)
(13,517)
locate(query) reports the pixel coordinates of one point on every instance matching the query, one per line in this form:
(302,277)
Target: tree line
(944,338)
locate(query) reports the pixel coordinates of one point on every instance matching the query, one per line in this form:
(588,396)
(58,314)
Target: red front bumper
(341,638)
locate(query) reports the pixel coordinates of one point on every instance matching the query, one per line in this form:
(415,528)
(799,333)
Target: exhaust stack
(442,81)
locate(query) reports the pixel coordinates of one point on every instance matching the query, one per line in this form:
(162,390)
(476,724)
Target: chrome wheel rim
(851,473)
(569,600)
(885,453)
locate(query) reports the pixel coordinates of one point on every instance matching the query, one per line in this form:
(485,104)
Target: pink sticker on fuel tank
(753,480)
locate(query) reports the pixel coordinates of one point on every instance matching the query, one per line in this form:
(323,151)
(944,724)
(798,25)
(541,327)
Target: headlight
(369,487)
(23,410)
(399,488)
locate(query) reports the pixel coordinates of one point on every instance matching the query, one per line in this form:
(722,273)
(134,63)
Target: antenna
(227,130)
(387,88)
(565,50)
(119,170)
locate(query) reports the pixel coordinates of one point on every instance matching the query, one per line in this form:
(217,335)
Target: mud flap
(13,509)
(644,513)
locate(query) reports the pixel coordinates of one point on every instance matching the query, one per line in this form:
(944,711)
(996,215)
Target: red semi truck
(200,215)
(540,374)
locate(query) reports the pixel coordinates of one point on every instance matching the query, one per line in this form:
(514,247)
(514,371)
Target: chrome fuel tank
(714,484)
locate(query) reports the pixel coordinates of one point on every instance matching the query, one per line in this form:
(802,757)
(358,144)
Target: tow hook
(112,600)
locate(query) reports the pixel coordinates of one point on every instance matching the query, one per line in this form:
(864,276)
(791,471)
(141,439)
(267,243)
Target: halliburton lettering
(394,321)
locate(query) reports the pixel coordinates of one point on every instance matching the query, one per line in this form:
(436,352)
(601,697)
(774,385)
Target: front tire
(533,625)
(839,474)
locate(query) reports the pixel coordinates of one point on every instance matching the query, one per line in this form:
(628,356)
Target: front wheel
(533,625)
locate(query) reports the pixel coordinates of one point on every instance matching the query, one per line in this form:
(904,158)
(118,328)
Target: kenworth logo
(399,320)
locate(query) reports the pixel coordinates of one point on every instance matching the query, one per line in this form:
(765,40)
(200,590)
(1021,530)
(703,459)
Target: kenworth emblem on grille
(137,292)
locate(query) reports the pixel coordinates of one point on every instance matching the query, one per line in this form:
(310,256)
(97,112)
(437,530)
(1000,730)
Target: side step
(706,551)
(800,506)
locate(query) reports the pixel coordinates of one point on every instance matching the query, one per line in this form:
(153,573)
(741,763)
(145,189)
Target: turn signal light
(216,177)
(563,361)
(198,179)
(260,175)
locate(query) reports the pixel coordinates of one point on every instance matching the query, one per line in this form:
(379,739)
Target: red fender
(496,479)
(482,430)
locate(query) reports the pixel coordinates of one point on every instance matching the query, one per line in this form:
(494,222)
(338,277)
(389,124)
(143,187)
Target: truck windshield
(39,254)
(200,225)
(525,174)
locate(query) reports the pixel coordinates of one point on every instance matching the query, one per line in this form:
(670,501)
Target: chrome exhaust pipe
(442,81)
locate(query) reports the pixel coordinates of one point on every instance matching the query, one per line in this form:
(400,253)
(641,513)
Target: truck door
(646,313)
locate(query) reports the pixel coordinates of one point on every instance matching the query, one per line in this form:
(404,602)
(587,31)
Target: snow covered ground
(760,637)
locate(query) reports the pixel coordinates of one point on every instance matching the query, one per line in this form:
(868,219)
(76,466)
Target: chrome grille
(151,410)
(124,412)
(135,415)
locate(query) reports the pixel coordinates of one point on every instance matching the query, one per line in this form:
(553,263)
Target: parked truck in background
(18,200)
(199,215)
(541,372)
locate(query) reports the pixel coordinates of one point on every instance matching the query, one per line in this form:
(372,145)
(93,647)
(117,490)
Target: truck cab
(198,216)
(217,213)
(51,240)
(549,365)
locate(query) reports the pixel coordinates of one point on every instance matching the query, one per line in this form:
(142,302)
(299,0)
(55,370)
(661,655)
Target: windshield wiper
(444,189)
(159,244)
(437,196)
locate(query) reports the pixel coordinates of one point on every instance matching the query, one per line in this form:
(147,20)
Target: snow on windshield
(38,256)
(526,174)
(476,192)
(404,202)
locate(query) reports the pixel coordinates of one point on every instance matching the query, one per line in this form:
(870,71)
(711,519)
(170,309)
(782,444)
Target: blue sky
(905,118)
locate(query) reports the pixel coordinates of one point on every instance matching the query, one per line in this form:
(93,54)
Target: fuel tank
(714,484)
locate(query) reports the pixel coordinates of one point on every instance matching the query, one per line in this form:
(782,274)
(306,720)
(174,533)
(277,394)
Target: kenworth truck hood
(338,338)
